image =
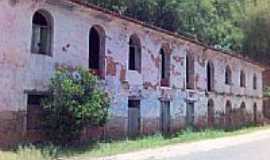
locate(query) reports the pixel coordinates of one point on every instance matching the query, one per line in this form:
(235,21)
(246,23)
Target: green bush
(76,100)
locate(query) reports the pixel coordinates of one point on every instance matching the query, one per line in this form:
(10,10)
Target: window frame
(242,79)
(101,69)
(255,82)
(36,37)
(228,75)
(165,65)
(190,71)
(210,73)
(135,61)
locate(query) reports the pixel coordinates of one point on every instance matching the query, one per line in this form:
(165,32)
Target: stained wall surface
(22,72)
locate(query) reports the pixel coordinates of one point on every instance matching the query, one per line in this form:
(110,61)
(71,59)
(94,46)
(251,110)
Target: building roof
(174,34)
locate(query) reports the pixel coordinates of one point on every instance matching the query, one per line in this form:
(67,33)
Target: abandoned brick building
(159,81)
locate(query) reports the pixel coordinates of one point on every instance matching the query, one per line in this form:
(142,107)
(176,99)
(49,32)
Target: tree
(256,28)
(76,100)
(211,21)
(114,5)
(239,25)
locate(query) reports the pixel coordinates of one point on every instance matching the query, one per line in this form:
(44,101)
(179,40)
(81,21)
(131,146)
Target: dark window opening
(42,33)
(189,72)
(94,49)
(228,76)
(254,82)
(132,58)
(134,53)
(165,68)
(97,51)
(242,79)
(40,20)
(210,76)
(163,64)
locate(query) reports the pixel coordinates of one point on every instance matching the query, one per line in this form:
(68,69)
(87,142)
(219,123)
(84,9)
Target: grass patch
(30,153)
(111,148)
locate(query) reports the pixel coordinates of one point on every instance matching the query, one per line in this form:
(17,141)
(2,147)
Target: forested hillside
(239,25)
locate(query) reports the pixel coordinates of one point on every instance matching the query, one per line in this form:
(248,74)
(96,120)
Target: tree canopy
(226,24)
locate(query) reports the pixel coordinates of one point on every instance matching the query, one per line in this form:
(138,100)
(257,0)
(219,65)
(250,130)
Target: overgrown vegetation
(239,25)
(111,148)
(75,101)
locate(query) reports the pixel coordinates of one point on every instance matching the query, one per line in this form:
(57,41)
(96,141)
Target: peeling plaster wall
(22,71)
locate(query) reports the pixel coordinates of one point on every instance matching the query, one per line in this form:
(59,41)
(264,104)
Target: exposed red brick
(149,85)
(123,73)
(111,67)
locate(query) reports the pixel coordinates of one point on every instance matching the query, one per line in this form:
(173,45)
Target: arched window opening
(165,68)
(228,112)
(242,79)
(97,50)
(190,72)
(211,113)
(42,33)
(210,76)
(228,76)
(135,53)
(254,82)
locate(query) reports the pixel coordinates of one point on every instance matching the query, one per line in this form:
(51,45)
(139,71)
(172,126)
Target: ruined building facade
(158,81)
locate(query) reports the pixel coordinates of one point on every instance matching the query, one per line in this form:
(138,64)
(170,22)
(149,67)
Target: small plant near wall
(76,101)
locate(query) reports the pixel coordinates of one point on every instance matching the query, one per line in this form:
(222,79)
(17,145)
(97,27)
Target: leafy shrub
(76,100)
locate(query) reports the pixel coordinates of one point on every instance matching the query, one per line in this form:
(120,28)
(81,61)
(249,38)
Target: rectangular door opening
(190,114)
(165,117)
(134,118)
(35,115)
